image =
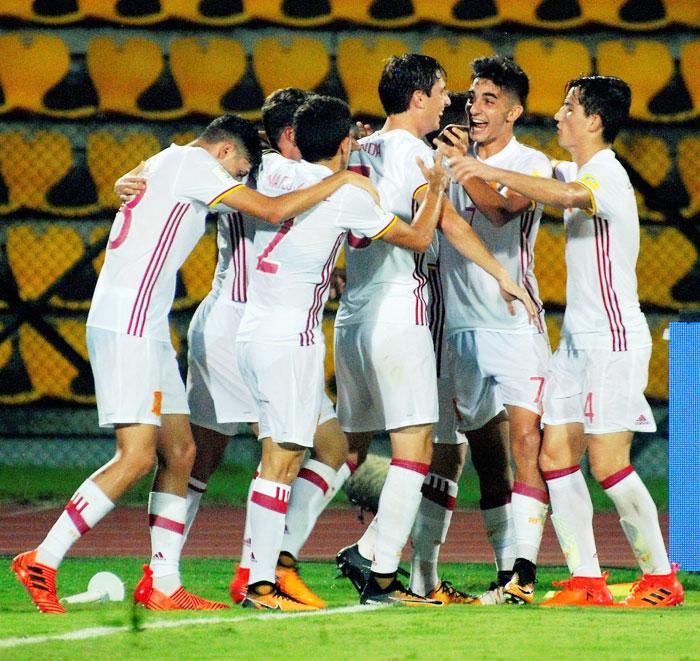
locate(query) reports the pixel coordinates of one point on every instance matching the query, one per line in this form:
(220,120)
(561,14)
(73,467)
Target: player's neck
(333,164)
(582,153)
(405,121)
(493,147)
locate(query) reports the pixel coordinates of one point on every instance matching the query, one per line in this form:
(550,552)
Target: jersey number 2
(267,265)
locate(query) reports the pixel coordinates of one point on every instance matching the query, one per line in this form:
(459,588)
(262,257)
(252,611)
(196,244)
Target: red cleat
(239,584)
(581,591)
(39,580)
(153,599)
(655,591)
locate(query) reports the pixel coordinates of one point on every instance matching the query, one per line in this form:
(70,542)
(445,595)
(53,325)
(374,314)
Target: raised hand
(129,185)
(436,176)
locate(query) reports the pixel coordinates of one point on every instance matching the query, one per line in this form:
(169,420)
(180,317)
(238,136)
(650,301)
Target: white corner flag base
(103,586)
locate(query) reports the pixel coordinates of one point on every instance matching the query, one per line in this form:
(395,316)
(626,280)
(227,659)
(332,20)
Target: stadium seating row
(547,14)
(45,172)
(210,75)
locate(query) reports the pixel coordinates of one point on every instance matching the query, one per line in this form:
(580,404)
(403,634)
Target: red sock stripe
(309,475)
(613,479)
(560,472)
(492,502)
(157,521)
(351,465)
(416,466)
(438,494)
(531,492)
(74,509)
(269,502)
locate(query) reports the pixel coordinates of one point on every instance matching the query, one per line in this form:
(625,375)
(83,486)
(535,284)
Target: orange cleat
(180,600)
(39,580)
(449,594)
(239,584)
(655,591)
(291,583)
(275,599)
(581,591)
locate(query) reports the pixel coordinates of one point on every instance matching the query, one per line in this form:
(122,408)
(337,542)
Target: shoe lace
(451,591)
(283,595)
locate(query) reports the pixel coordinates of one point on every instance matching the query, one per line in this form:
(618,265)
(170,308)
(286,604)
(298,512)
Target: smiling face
(491,112)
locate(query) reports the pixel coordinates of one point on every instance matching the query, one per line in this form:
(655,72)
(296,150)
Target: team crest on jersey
(222,174)
(589,181)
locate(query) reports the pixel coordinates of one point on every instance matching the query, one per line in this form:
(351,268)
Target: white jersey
(387,283)
(151,237)
(295,260)
(472,296)
(602,246)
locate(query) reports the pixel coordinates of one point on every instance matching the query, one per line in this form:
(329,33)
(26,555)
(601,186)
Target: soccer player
(280,344)
(137,383)
(594,398)
(385,363)
(496,359)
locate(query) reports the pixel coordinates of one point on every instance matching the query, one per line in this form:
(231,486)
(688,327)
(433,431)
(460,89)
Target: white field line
(100,632)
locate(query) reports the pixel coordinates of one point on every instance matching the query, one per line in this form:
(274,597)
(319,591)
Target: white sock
(245,549)
(307,500)
(268,508)
(398,506)
(572,517)
(88,505)
(430,531)
(341,477)
(366,543)
(529,506)
(500,531)
(639,519)
(195,490)
(166,517)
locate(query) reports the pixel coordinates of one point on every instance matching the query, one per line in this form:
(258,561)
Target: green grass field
(457,632)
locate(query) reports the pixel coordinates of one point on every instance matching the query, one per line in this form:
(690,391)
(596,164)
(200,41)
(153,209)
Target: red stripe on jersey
(608,296)
(157,521)
(312,319)
(276,504)
(314,478)
(358,242)
(420,277)
(239,286)
(613,299)
(527,221)
(436,315)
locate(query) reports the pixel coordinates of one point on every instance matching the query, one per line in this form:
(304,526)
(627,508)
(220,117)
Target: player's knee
(526,449)
(180,456)
(548,460)
(138,464)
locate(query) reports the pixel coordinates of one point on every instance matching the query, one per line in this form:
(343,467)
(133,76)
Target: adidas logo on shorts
(641,420)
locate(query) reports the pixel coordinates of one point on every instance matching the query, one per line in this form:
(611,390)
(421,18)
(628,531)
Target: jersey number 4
(267,265)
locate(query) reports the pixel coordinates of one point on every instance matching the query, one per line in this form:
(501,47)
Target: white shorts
(493,369)
(287,384)
(136,379)
(601,388)
(385,375)
(445,431)
(327,408)
(218,396)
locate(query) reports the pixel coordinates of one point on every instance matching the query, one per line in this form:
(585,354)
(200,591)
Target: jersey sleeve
(204,180)
(603,184)
(534,164)
(362,217)
(412,176)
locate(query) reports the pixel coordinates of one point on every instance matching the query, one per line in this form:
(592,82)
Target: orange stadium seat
(33,64)
(462,13)
(550,64)
(687,159)
(684,11)
(122,70)
(299,13)
(109,157)
(197,269)
(647,66)
(551,14)
(689,67)
(205,70)
(127,13)
(455,56)
(290,62)
(207,13)
(550,267)
(379,13)
(32,166)
(30,10)
(360,65)
(627,14)
(15,385)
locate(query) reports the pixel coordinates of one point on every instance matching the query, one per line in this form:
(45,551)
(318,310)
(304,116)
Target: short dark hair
(243,132)
(606,96)
(402,76)
(503,72)
(320,125)
(278,111)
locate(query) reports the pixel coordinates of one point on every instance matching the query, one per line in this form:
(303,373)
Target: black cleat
(395,594)
(354,566)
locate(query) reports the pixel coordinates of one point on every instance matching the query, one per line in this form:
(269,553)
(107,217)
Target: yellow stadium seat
(550,267)
(550,64)
(686,12)
(208,13)
(32,166)
(197,269)
(455,55)
(378,13)
(465,13)
(687,159)
(122,70)
(290,62)
(542,13)
(131,13)
(689,67)
(15,385)
(205,70)
(647,66)
(641,15)
(28,10)
(657,388)
(360,64)
(299,13)
(109,157)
